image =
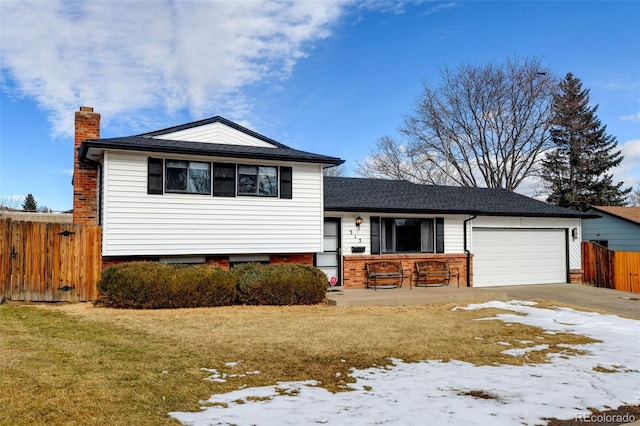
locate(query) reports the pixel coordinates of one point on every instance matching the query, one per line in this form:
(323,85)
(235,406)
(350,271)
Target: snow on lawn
(433,392)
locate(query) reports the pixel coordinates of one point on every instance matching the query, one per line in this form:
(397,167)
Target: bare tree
(335,171)
(482,126)
(634,197)
(392,160)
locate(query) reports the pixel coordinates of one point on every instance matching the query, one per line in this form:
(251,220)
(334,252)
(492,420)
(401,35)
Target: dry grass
(71,364)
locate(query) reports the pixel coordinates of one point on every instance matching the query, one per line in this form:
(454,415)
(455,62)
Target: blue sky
(329,76)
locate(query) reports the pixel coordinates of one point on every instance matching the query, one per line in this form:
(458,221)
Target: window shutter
(375,234)
(439,235)
(154,176)
(286,180)
(224,180)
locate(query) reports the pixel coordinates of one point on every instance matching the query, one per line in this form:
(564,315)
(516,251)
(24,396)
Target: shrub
(152,285)
(281,284)
(132,285)
(205,286)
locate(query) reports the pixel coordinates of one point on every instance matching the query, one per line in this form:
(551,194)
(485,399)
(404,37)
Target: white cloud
(629,170)
(634,117)
(437,7)
(123,57)
(400,6)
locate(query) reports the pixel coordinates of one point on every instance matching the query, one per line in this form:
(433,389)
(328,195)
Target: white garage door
(518,256)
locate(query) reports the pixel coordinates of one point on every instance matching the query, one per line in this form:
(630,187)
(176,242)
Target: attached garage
(512,256)
(513,239)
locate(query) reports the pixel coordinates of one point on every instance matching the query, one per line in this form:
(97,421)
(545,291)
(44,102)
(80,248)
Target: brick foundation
(301,258)
(576,275)
(354,270)
(221,262)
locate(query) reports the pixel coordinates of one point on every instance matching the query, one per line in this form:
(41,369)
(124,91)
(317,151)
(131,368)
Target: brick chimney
(85,174)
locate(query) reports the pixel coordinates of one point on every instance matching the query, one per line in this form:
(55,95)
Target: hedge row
(152,285)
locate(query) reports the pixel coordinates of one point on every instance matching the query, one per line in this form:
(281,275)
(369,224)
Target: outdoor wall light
(359,221)
(574,233)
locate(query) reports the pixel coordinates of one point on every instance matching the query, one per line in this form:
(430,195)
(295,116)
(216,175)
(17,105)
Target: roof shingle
(392,196)
(151,142)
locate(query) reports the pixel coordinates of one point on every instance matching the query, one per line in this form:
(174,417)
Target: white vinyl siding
(215,133)
(453,234)
(137,223)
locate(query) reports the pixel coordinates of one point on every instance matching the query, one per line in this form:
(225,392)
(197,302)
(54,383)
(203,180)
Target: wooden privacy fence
(618,270)
(49,262)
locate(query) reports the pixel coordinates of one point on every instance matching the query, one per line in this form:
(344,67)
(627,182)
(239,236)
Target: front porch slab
(417,296)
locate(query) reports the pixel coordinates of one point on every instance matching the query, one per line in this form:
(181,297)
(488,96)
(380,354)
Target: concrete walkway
(611,301)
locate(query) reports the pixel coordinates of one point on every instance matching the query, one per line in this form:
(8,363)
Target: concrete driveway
(603,299)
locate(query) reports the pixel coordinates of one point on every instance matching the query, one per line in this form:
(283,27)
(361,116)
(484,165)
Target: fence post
(5,257)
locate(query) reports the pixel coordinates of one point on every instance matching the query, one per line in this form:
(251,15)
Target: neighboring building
(617,228)
(215,192)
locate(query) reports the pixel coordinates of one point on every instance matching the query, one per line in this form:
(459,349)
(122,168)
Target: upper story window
(221,179)
(193,177)
(224,180)
(258,180)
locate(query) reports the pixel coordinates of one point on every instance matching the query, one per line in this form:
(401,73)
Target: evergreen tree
(29,204)
(575,170)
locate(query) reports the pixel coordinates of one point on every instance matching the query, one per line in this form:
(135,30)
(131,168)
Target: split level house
(215,192)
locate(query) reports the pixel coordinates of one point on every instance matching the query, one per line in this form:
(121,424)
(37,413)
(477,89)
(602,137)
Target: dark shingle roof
(149,142)
(392,196)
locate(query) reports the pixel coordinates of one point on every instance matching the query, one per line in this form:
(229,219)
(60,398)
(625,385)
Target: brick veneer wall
(221,262)
(85,174)
(354,270)
(298,258)
(576,275)
(303,258)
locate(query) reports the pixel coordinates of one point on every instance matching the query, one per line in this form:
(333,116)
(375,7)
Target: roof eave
(631,221)
(457,212)
(102,146)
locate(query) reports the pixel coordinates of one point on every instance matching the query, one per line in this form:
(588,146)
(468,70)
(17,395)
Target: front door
(329,260)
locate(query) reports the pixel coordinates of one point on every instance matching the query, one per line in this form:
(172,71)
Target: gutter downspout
(466,249)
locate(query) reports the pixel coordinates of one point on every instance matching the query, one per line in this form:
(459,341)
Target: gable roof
(181,129)
(393,196)
(629,214)
(153,142)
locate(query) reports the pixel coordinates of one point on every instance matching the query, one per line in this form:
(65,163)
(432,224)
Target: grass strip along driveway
(77,364)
